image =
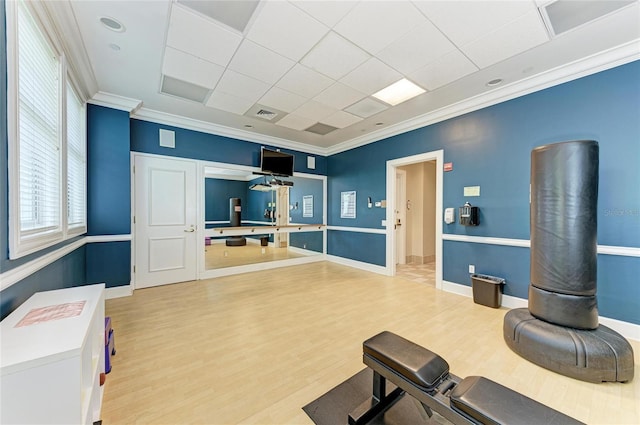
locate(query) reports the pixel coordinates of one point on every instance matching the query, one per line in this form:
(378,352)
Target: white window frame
(22,243)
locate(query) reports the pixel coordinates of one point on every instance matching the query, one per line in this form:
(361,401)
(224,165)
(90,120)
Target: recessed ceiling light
(495,82)
(112,24)
(399,92)
(114,47)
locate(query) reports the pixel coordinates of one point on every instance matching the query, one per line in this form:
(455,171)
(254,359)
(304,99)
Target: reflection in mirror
(279,218)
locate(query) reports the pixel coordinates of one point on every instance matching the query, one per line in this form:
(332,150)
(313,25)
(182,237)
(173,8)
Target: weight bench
(425,376)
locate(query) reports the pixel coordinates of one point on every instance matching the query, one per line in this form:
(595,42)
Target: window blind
(76,160)
(38,129)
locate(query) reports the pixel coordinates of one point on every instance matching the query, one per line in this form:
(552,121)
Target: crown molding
(602,61)
(220,130)
(115,101)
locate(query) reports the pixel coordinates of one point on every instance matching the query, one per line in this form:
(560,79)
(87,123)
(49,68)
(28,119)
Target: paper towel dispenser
(468,215)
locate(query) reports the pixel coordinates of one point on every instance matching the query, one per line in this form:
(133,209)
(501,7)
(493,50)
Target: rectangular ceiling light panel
(399,92)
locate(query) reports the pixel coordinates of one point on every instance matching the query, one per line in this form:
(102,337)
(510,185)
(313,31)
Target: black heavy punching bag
(235,211)
(564,195)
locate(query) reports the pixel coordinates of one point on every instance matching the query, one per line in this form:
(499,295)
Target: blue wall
(209,147)
(217,193)
(491,148)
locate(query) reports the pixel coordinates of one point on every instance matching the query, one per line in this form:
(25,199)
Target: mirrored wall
(252,219)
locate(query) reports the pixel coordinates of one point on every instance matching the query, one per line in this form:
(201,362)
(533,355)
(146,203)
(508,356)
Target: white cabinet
(51,357)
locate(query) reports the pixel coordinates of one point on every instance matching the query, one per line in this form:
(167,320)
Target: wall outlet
(472,268)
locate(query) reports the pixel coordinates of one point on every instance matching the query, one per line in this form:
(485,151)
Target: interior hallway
(255,348)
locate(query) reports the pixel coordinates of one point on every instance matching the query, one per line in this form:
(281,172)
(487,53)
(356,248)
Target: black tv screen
(276,163)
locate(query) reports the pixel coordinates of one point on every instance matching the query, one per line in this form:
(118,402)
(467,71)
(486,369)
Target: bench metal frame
(436,398)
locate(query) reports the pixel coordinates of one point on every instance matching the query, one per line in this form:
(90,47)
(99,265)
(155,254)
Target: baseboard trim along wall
(628,330)
(358,264)
(119,291)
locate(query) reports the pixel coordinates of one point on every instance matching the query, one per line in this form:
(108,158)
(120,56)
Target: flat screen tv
(276,163)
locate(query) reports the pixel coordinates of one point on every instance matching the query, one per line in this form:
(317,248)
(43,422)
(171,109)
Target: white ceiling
(320,61)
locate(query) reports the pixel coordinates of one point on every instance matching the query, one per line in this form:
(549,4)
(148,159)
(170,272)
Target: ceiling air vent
(183,89)
(321,129)
(265,113)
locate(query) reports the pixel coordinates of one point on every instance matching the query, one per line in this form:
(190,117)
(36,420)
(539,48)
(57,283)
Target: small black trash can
(487,290)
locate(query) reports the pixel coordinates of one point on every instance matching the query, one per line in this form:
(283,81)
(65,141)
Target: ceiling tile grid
(318,61)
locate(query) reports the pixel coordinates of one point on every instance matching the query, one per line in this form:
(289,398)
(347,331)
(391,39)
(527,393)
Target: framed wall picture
(348,204)
(307,206)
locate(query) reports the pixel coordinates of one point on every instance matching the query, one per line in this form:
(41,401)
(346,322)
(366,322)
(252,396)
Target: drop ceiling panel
(374,25)
(451,67)
(327,12)
(301,34)
(341,119)
(184,66)
(296,122)
(314,110)
(241,86)
(183,89)
(195,34)
(371,76)
(520,35)
(334,56)
(339,96)
(419,47)
(466,21)
(282,99)
(235,14)
(259,62)
(366,108)
(304,81)
(229,103)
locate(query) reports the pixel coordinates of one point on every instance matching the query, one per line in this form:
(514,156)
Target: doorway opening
(414,212)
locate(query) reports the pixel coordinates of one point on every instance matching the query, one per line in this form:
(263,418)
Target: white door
(401,216)
(164,221)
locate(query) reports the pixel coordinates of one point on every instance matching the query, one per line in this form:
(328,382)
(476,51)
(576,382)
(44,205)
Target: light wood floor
(255,348)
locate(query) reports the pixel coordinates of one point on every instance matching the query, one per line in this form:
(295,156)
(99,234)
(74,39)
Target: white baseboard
(119,291)
(626,329)
(358,265)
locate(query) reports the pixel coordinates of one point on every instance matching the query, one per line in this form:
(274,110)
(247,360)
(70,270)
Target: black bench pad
(491,403)
(422,367)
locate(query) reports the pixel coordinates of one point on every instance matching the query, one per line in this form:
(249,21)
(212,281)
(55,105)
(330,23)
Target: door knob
(191,230)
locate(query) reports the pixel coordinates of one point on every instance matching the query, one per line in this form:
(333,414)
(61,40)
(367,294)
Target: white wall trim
(23,271)
(619,250)
(525,243)
(358,264)
(119,291)
(626,329)
(108,238)
(114,101)
(357,229)
(158,117)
